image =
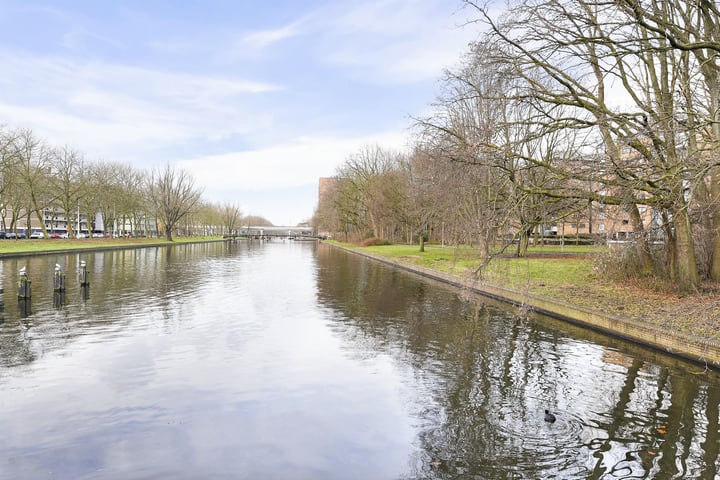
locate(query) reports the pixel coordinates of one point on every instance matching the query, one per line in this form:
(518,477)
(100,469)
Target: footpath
(705,351)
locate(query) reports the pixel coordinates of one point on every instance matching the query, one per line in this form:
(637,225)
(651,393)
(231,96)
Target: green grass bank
(9,248)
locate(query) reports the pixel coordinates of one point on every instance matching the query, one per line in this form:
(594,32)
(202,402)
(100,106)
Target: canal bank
(705,351)
(43,247)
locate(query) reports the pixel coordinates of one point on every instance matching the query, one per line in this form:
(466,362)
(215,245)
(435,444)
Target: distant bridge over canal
(267,233)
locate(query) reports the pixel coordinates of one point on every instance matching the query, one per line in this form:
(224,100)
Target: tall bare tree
(103,193)
(173,195)
(31,174)
(67,182)
(651,157)
(8,157)
(364,190)
(693,27)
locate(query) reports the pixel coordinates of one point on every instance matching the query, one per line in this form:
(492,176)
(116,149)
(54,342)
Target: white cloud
(263,38)
(79,37)
(399,41)
(101,107)
(280,183)
(62,128)
(285,166)
(398,63)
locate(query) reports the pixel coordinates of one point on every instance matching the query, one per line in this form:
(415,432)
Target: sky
(256,99)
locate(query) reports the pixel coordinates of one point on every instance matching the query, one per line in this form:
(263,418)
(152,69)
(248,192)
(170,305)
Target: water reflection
(484,376)
(284,360)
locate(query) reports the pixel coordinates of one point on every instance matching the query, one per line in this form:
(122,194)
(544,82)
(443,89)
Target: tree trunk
(641,246)
(670,246)
(688,278)
(486,243)
(374,226)
(715,232)
(524,240)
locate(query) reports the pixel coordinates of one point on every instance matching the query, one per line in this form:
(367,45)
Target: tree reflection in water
(481,378)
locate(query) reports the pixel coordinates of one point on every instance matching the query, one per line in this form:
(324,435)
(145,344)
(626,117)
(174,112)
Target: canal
(287,360)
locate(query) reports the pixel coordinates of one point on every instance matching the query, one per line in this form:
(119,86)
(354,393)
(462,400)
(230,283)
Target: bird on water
(549,417)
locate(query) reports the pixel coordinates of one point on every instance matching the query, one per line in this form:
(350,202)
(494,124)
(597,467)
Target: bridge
(267,233)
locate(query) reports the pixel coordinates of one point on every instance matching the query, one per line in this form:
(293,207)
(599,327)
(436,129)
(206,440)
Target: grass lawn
(569,274)
(547,265)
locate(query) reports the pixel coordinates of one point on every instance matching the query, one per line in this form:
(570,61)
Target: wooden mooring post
(84,274)
(24,285)
(58,279)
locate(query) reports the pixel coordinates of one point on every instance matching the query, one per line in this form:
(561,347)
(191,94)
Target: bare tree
(173,195)
(651,156)
(693,27)
(481,140)
(365,190)
(31,174)
(8,159)
(67,181)
(103,192)
(231,216)
(423,203)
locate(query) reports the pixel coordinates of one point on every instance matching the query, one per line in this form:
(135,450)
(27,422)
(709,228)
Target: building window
(626,222)
(601,227)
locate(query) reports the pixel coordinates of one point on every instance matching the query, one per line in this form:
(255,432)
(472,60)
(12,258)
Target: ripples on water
(292,361)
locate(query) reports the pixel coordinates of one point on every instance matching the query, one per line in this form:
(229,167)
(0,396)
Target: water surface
(297,361)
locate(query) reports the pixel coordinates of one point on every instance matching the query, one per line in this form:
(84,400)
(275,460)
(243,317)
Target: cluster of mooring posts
(24,287)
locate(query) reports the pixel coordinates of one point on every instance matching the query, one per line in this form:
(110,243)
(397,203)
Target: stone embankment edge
(701,350)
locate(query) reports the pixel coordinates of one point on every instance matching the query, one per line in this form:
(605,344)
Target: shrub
(622,265)
(373,241)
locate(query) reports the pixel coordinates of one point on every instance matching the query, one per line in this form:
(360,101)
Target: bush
(621,264)
(373,241)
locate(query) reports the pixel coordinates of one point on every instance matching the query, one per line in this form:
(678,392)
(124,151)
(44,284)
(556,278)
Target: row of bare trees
(559,105)
(35,177)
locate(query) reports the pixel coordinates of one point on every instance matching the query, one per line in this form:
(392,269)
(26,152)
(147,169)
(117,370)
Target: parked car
(37,235)
(97,235)
(11,235)
(21,235)
(2,233)
(54,235)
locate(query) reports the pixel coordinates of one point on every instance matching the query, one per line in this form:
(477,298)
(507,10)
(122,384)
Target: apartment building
(54,219)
